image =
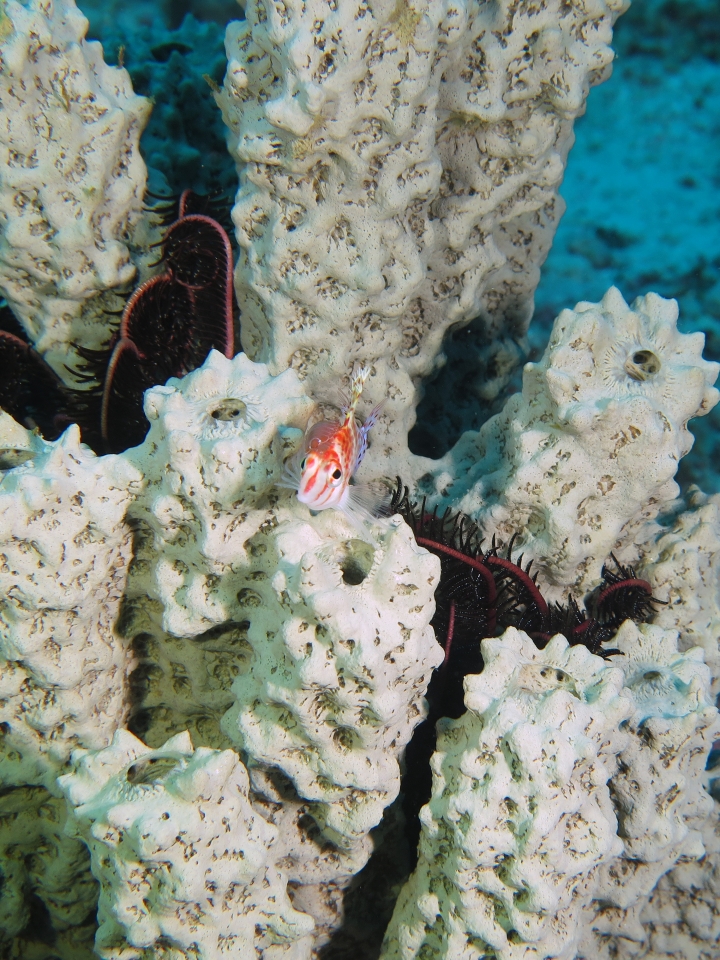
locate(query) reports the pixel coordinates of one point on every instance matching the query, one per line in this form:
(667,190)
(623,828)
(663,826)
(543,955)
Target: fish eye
(303,463)
(336,474)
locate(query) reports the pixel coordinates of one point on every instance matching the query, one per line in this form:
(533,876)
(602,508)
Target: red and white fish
(331,453)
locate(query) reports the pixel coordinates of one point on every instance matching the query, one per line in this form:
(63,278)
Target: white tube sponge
(212,457)
(673,727)
(659,786)
(71,176)
(64,554)
(587,453)
(507,103)
(683,564)
(399,165)
(682,916)
(343,654)
(679,919)
(332,112)
(183,861)
(219,590)
(520,815)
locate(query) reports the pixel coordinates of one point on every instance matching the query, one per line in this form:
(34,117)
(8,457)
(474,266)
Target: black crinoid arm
(621,596)
(166,329)
(30,391)
(480,594)
(466,599)
(483,592)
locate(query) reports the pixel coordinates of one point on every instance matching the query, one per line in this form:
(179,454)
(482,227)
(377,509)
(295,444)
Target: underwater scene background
(231,624)
(642,186)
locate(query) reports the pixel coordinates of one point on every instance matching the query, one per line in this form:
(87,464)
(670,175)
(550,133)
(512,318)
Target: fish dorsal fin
(357,382)
(370,421)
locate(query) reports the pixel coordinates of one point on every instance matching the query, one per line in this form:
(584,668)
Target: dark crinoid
(620,596)
(169,325)
(30,391)
(167,328)
(481,594)
(168,207)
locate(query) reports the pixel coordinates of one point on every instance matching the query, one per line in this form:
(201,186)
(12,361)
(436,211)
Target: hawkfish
(332,450)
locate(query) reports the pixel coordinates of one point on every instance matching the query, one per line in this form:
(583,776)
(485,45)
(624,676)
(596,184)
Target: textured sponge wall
(399,168)
(71,177)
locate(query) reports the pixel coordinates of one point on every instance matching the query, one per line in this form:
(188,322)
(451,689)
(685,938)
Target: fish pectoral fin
(369,500)
(291,474)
